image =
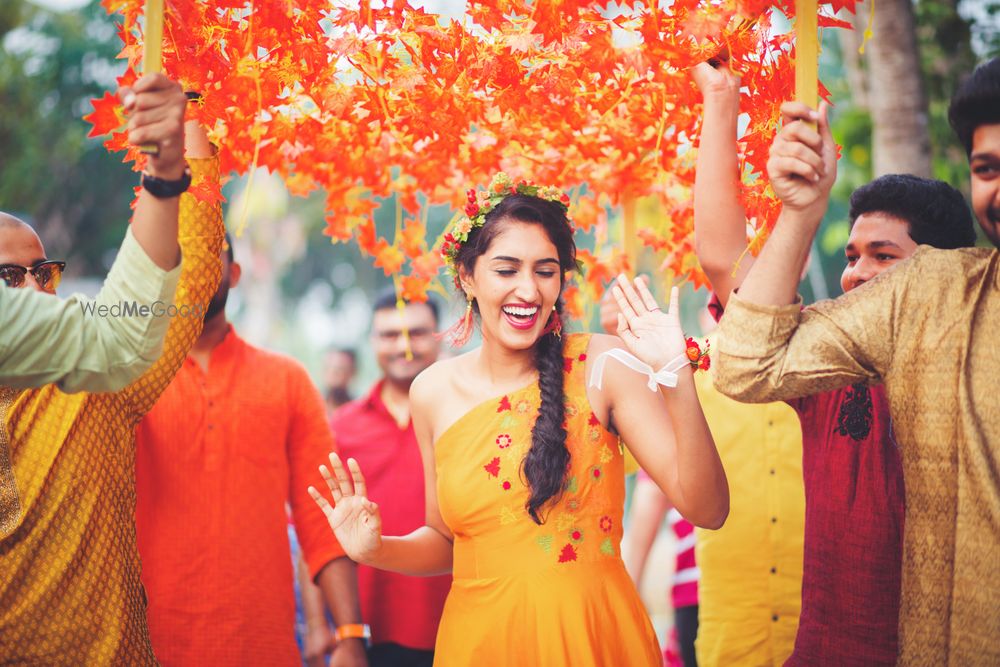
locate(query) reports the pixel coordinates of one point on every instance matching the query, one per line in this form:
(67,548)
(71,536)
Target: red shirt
(400,609)
(217,459)
(853,541)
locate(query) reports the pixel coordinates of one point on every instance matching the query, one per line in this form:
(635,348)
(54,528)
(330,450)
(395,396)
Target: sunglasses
(47,274)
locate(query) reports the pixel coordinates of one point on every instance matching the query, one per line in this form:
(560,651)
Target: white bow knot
(666,376)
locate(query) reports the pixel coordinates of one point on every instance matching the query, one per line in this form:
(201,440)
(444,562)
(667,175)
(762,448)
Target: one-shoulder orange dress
(526,594)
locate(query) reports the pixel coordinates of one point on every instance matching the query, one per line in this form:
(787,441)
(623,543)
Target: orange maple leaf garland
(106,116)
(370,102)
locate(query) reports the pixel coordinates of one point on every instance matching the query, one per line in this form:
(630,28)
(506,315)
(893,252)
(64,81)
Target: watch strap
(353,631)
(162,188)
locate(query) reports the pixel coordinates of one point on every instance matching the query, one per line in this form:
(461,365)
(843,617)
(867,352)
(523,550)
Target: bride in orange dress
(523,457)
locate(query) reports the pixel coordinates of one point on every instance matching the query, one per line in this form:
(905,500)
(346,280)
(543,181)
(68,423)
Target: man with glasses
(45,340)
(48,340)
(401,612)
(238,435)
(69,570)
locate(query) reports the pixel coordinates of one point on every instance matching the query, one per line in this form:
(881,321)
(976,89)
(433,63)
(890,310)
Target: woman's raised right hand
(355,520)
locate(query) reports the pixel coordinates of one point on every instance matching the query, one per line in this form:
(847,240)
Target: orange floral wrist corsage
(698,358)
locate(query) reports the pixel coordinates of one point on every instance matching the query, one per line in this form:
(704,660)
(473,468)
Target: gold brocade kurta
(927,328)
(69,569)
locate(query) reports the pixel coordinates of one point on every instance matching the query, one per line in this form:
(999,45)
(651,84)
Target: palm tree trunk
(900,135)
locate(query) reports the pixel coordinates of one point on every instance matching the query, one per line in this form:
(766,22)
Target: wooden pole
(806,53)
(152,50)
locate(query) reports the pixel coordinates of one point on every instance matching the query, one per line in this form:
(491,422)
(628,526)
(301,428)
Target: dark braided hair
(548,459)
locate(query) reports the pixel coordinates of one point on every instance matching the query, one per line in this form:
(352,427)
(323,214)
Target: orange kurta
(69,570)
(217,460)
(523,594)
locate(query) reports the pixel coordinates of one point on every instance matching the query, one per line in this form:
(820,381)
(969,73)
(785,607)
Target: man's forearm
(313,605)
(774,277)
(339,582)
(154,226)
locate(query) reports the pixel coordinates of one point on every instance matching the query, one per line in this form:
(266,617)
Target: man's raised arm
(104,344)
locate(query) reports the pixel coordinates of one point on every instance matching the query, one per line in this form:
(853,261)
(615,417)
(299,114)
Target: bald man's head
(19,244)
(8,221)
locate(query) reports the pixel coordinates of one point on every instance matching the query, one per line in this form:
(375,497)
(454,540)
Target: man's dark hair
(387,299)
(348,352)
(976,102)
(936,212)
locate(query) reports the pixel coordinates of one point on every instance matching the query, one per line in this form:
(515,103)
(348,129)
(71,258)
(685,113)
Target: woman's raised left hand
(653,336)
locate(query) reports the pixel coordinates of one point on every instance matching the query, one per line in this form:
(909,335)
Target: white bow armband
(666,376)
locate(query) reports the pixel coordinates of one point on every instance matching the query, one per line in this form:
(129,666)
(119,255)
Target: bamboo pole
(807,53)
(152,50)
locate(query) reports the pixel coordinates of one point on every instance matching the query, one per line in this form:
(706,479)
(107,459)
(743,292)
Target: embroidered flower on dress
(503,440)
(606,523)
(576,535)
(567,554)
(506,485)
(493,467)
(607,547)
(571,484)
(594,473)
(504,404)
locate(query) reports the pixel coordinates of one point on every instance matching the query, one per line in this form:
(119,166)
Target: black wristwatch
(161,188)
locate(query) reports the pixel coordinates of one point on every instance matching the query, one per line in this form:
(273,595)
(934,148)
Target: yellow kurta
(69,570)
(750,591)
(556,594)
(928,329)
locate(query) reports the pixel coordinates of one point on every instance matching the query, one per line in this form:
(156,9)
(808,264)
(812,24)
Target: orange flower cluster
(368,100)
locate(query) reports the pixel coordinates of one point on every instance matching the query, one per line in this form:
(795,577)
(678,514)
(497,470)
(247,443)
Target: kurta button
(774,519)
(774,617)
(772,469)
(774,570)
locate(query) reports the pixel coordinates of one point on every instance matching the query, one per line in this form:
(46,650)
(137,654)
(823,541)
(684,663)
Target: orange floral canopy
(366,100)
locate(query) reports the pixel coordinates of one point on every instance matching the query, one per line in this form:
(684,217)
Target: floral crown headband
(480,203)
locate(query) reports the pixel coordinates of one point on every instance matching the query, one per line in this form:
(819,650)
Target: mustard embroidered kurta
(750,591)
(928,328)
(555,594)
(69,569)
